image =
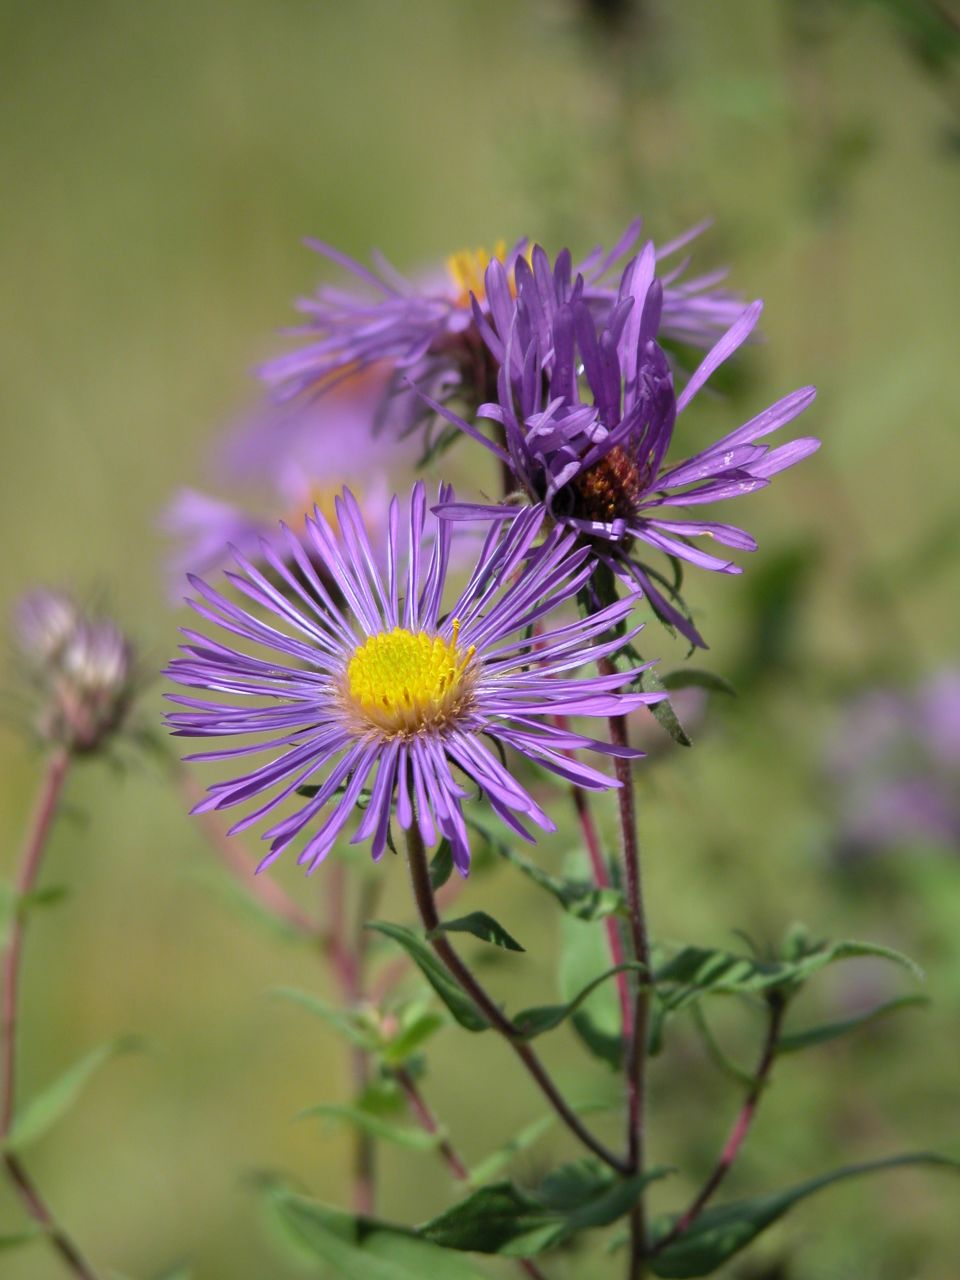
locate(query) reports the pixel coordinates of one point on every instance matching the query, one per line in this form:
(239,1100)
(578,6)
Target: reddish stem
(428,1122)
(427,907)
(740,1129)
(233,857)
(44,813)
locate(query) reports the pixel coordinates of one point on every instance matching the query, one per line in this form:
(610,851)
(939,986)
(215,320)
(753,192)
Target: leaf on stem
(460,1005)
(403,1135)
(484,927)
(721,1232)
(360,1248)
(45,1108)
(534,1022)
(506,1219)
(697,678)
(348,1023)
(441,865)
(827,1031)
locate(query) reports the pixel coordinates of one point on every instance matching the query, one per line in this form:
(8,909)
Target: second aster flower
(390,693)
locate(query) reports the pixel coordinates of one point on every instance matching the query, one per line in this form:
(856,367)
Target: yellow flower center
(315,495)
(401,682)
(466,269)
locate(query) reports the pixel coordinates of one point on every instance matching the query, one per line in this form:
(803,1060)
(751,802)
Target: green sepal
(460,1005)
(46,1107)
(721,1232)
(484,927)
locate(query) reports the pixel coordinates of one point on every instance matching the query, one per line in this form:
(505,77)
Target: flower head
(286,459)
(81,665)
(587,411)
(426,331)
(389,691)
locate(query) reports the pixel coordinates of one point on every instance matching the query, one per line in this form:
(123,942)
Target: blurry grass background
(159,167)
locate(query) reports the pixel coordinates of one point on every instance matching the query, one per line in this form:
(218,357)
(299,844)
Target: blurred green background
(160,165)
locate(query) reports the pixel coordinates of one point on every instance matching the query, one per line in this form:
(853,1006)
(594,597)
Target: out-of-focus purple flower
(425,331)
(895,765)
(393,691)
(81,665)
(288,458)
(586,412)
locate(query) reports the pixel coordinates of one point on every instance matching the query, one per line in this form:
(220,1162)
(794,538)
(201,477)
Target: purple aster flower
(895,765)
(425,331)
(390,692)
(586,412)
(290,458)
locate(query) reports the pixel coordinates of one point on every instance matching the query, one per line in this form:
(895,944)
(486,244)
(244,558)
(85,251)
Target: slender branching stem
(427,907)
(428,1122)
(47,802)
(230,852)
(636,1055)
(776,1004)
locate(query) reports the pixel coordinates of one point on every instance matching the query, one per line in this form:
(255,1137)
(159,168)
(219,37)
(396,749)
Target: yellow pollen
(314,495)
(401,682)
(466,269)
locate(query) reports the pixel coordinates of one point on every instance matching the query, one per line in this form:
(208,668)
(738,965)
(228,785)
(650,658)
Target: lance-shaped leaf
(504,1218)
(720,1233)
(17,906)
(441,865)
(418,1022)
(369,1122)
(534,1022)
(45,1108)
(460,1005)
(484,927)
(827,1031)
(16,1239)
(351,1025)
(649,682)
(495,1163)
(577,895)
(697,971)
(362,1249)
(695,678)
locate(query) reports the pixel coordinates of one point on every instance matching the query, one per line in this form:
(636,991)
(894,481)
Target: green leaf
(441,865)
(503,1218)
(579,897)
(498,1160)
(16,1239)
(719,1233)
(696,678)
(17,906)
(46,1107)
(534,1022)
(484,927)
(347,1023)
(827,1031)
(360,1249)
(403,1135)
(415,1029)
(697,971)
(649,682)
(238,898)
(460,1005)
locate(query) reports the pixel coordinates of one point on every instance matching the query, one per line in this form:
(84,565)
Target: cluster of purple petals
(586,403)
(275,681)
(895,765)
(422,331)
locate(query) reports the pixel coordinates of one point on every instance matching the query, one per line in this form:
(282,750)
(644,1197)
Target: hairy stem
(741,1126)
(427,907)
(32,858)
(636,1056)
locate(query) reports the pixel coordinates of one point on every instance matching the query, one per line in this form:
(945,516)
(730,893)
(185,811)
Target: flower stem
(50,791)
(741,1126)
(636,1055)
(428,1122)
(427,907)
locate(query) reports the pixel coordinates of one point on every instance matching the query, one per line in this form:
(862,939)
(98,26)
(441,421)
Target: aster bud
(83,667)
